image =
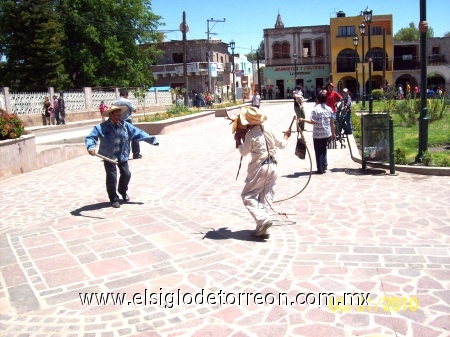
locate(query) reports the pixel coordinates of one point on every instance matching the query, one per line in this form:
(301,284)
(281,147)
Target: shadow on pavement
(297,174)
(224,234)
(366,172)
(96,207)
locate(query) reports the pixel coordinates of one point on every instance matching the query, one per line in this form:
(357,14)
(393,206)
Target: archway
(345,61)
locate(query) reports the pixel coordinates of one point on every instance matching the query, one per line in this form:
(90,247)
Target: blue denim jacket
(106,132)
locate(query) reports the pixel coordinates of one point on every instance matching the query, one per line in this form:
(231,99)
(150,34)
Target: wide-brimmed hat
(248,116)
(113,108)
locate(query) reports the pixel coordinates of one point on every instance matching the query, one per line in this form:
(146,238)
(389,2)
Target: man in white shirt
(256,99)
(253,137)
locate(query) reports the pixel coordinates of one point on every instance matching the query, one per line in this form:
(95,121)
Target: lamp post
(362,31)
(295,69)
(368,18)
(232,45)
(355,43)
(424,118)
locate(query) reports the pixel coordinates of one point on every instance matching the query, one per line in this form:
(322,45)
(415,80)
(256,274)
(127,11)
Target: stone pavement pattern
(186,228)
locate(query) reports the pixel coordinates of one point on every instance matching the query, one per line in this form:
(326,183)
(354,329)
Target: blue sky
(245,20)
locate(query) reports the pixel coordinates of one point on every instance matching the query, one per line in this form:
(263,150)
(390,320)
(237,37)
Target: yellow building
(345,55)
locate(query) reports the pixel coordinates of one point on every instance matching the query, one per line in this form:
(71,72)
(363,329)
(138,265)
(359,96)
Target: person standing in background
(256,99)
(332,98)
(56,108)
(62,108)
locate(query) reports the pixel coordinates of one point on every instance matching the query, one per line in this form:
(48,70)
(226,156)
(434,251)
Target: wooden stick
(106,158)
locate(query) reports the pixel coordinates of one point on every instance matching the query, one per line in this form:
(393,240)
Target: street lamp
(232,45)
(362,31)
(355,43)
(368,18)
(295,69)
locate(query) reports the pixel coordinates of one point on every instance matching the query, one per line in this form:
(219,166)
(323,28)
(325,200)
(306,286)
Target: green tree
(411,33)
(31,41)
(110,42)
(261,51)
(447,34)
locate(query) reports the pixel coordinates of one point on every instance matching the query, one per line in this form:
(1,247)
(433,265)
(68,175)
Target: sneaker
(115,204)
(261,231)
(137,156)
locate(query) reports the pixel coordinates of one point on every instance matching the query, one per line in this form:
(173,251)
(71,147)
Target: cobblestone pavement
(186,231)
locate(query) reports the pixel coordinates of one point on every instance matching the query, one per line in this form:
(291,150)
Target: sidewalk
(185,230)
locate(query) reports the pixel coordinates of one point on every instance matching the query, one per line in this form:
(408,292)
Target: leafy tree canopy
(411,33)
(77,43)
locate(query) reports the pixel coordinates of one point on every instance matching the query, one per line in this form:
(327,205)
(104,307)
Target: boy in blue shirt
(115,138)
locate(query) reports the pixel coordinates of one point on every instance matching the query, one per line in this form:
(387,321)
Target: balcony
(436,59)
(176,69)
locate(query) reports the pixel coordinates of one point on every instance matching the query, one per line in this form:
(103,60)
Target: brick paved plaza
(186,229)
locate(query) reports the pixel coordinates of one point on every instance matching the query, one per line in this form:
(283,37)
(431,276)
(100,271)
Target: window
(377,59)
(177,57)
(346,31)
(318,44)
(281,50)
(346,60)
(277,50)
(285,50)
(435,51)
(306,48)
(376,30)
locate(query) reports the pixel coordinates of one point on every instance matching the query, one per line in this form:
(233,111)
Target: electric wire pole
(209,49)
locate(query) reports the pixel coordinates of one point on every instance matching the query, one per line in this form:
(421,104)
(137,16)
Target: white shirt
(256,100)
(255,144)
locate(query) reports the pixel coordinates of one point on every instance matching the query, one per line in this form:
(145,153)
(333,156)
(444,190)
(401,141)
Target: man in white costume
(253,137)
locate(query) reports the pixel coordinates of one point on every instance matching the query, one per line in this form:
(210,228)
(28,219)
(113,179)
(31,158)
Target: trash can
(377,140)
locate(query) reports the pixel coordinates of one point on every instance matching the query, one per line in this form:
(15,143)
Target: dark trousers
(135,147)
(320,149)
(111,179)
(62,116)
(57,116)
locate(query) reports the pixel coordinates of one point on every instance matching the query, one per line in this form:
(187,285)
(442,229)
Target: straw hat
(248,116)
(113,108)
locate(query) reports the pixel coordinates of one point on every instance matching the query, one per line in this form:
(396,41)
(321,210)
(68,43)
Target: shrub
(400,157)
(377,93)
(406,109)
(11,126)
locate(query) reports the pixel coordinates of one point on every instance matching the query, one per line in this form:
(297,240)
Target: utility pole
(185,78)
(209,48)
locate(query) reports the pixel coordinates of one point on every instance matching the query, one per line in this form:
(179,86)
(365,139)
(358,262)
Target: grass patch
(406,130)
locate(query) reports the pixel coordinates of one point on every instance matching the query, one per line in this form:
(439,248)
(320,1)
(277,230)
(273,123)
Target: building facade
(296,56)
(169,68)
(407,63)
(349,63)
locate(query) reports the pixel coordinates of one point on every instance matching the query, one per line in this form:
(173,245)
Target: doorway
(280,85)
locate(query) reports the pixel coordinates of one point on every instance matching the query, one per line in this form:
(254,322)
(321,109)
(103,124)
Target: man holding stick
(115,149)
(253,137)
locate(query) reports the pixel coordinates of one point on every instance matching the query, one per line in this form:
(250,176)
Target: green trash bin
(377,140)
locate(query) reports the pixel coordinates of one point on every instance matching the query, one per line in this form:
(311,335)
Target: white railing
(24,103)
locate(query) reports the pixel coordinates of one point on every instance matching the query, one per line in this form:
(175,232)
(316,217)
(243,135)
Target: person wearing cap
(348,112)
(126,116)
(254,138)
(332,98)
(298,105)
(323,128)
(115,138)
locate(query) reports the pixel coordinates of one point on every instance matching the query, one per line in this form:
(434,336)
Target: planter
(18,156)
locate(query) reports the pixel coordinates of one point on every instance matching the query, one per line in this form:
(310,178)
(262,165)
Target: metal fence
(24,103)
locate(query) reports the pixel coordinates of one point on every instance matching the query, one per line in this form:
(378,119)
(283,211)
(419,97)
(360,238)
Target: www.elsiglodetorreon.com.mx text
(169,299)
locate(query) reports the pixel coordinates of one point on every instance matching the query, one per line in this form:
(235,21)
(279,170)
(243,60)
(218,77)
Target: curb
(415,169)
